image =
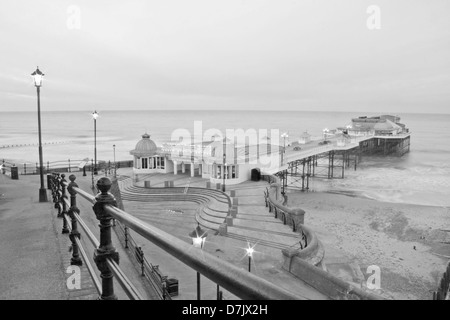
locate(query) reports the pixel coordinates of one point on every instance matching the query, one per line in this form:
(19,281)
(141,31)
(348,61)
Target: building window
(144,163)
(233,172)
(162,163)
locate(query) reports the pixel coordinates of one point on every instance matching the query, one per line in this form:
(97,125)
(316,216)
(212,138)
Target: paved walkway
(35,254)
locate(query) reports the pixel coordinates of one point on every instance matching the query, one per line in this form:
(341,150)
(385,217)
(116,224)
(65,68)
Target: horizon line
(240,110)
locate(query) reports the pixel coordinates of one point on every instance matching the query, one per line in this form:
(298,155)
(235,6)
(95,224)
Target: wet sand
(407,242)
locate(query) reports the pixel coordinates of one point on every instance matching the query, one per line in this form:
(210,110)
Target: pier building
(224,161)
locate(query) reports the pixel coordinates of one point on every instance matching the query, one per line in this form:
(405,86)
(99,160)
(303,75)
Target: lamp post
(95,116)
(325,132)
(198,236)
(115,168)
(250,251)
(284,136)
(224,163)
(38,77)
(224,171)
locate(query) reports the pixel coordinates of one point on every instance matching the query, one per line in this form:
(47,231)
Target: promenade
(35,254)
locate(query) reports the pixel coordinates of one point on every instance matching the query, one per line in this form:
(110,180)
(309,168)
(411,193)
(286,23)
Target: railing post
(106,249)
(69,165)
(25,168)
(76,260)
(126,237)
(140,257)
(48,166)
(53,187)
(65,228)
(57,194)
(164,286)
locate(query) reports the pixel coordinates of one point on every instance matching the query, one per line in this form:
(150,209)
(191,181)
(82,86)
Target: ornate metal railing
(69,165)
(241,283)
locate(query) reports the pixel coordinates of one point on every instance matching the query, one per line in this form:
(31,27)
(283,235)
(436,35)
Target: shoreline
(353,194)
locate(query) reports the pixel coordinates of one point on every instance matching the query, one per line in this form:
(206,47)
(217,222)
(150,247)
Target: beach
(406,241)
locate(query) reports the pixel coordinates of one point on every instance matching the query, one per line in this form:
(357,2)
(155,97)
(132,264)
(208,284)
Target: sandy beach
(407,242)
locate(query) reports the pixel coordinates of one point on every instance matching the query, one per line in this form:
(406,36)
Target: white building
(220,160)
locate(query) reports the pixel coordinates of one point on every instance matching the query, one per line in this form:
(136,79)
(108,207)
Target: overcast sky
(227,54)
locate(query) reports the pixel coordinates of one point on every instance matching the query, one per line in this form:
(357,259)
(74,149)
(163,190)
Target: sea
(421,176)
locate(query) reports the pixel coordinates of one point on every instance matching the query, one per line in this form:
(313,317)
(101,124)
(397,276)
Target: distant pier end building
(390,136)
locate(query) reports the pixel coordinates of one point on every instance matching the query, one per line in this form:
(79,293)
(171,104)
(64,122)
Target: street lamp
(198,236)
(224,170)
(115,168)
(95,116)
(38,77)
(284,136)
(325,132)
(250,251)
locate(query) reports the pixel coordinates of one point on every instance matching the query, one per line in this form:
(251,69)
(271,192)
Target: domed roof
(145,147)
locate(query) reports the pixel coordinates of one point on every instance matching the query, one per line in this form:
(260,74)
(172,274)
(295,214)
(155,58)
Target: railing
(237,281)
(149,271)
(105,256)
(69,165)
(291,216)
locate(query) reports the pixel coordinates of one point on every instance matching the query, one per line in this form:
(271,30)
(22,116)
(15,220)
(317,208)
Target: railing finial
(106,250)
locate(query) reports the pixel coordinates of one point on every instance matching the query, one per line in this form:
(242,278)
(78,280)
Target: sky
(346,55)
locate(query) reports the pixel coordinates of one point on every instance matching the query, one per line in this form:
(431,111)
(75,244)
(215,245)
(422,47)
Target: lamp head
(250,251)
(95,115)
(38,76)
(198,236)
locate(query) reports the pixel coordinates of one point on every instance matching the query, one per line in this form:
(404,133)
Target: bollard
(84,171)
(14,172)
(76,259)
(63,197)
(106,249)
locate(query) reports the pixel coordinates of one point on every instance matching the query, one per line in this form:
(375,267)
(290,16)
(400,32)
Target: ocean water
(420,177)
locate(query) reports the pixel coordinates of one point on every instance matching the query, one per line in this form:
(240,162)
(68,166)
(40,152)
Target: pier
(330,157)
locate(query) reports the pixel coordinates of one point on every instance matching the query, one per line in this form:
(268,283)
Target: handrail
(236,280)
(243,284)
(59,187)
